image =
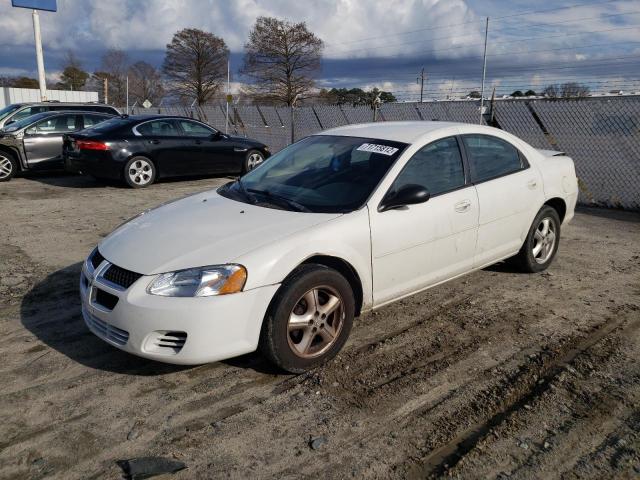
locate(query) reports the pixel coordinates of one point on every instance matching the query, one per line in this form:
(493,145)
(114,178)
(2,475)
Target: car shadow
(71,180)
(51,310)
(503,267)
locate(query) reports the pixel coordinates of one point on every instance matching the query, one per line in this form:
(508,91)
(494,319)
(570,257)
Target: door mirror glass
(410,194)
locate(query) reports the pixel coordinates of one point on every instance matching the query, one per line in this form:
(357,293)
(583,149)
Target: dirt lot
(495,375)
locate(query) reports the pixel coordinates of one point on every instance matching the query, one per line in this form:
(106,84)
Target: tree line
(281,60)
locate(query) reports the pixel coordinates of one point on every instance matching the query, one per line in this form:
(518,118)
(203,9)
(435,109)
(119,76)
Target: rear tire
(309,319)
(8,166)
(541,245)
(139,172)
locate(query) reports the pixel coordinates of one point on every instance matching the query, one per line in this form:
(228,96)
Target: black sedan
(139,149)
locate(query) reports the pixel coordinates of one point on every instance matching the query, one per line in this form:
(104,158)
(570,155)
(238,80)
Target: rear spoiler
(551,153)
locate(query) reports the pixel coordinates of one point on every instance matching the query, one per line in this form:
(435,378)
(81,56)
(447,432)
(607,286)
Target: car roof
(151,116)
(406,132)
(79,104)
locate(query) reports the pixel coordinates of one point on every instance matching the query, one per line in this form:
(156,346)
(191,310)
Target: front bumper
(186,331)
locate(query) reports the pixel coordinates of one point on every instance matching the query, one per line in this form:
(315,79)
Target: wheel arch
(559,205)
(346,270)
(16,155)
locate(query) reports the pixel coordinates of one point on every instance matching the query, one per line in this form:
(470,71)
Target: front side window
(59,124)
(321,173)
(27,112)
(8,110)
(437,167)
(158,128)
(490,157)
(195,129)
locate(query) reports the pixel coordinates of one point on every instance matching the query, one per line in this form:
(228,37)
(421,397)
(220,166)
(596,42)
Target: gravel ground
(495,375)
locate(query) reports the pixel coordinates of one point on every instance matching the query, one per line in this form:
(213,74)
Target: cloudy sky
(367,42)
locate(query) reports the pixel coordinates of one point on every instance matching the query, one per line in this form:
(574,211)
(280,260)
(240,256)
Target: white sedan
(337,224)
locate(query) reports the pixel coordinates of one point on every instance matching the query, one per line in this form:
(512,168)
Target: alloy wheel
(140,172)
(315,322)
(6,167)
(544,240)
(254,160)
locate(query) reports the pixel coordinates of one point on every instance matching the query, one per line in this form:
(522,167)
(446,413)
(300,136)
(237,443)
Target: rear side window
(491,157)
(158,128)
(437,167)
(194,129)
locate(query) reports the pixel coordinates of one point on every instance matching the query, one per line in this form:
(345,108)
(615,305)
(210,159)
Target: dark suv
(19,111)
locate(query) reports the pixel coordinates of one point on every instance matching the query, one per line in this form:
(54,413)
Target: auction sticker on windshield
(375,148)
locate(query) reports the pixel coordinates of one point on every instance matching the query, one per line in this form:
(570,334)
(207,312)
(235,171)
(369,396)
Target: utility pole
(106,89)
(420,80)
(484,68)
(127,89)
(39,56)
(226,123)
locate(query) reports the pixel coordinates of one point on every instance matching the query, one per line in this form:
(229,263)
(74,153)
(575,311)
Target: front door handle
(532,184)
(154,142)
(462,206)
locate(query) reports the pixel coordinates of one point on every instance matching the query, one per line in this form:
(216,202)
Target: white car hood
(203,229)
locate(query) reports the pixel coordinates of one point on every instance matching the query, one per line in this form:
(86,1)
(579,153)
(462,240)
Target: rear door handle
(462,206)
(154,142)
(532,184)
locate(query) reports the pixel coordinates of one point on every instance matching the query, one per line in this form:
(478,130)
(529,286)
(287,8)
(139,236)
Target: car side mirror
(218,135)
(407,195)
(9,123)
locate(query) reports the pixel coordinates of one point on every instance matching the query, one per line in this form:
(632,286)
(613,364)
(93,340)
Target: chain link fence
(602,135)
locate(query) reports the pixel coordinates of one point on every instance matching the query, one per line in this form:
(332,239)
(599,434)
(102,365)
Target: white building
(20,95)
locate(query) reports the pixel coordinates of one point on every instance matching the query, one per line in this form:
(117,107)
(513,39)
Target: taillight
(91,145)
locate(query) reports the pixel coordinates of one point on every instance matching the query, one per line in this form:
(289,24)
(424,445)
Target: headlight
(200,282)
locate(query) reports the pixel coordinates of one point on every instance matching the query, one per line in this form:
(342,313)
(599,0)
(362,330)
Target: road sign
(229,98)
(48,5)
(146,104)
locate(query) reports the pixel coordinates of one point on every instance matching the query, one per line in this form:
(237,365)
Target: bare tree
(574,89)
(115,66)
(73,77)
(195,64)
(145,83)
(282,58)
(551,91)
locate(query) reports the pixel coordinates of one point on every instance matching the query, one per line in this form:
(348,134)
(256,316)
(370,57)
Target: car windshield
(107,125)
(6,111)
(321,173)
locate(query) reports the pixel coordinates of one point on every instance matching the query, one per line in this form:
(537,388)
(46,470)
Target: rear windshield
(108,125)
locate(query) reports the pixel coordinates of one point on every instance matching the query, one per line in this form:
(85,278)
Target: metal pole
(421,84)
(39,56)
(226,123)
(484,68)
(127,94)
(106,90)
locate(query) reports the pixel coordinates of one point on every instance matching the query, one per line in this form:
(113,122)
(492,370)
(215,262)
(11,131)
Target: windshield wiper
(274,196)
(244,192)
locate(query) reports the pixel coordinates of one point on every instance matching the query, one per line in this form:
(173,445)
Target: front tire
(309,319)
(252,160)
(541,245)
(8,166)
(139,172)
